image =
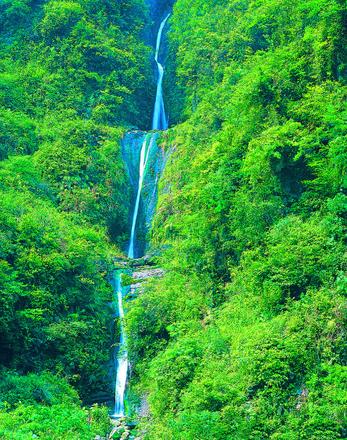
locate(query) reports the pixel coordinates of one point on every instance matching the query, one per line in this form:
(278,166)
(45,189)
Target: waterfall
(159,117)
(145,150)
(122,369)
(159,123)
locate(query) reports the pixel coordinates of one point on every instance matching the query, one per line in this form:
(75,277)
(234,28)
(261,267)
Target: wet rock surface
(131,147)
(148,273)
(123,430)
(141,276)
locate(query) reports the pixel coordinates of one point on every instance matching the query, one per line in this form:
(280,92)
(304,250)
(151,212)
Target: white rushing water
(159,117)
(145,150)
(159,123)
(122,366)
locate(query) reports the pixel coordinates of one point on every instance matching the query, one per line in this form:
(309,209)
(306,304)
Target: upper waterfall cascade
(159,117)
(159,123)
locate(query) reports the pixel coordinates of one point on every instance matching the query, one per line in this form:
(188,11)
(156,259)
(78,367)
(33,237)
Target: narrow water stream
(145,150)
(159,123)
(159,116)
(122,361)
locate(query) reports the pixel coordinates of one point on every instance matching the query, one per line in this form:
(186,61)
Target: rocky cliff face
(131,147)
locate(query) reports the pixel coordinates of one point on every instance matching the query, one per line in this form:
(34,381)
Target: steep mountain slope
(244,336)
(73,76)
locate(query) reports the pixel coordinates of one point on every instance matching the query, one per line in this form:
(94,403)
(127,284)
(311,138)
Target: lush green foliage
(73,76)
(244,336)
(53,287)
(46,407)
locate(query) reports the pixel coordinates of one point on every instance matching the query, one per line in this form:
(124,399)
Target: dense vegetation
(244,337)
(73,76)
(46,407)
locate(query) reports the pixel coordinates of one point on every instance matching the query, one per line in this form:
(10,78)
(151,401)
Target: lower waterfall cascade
(148,140)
